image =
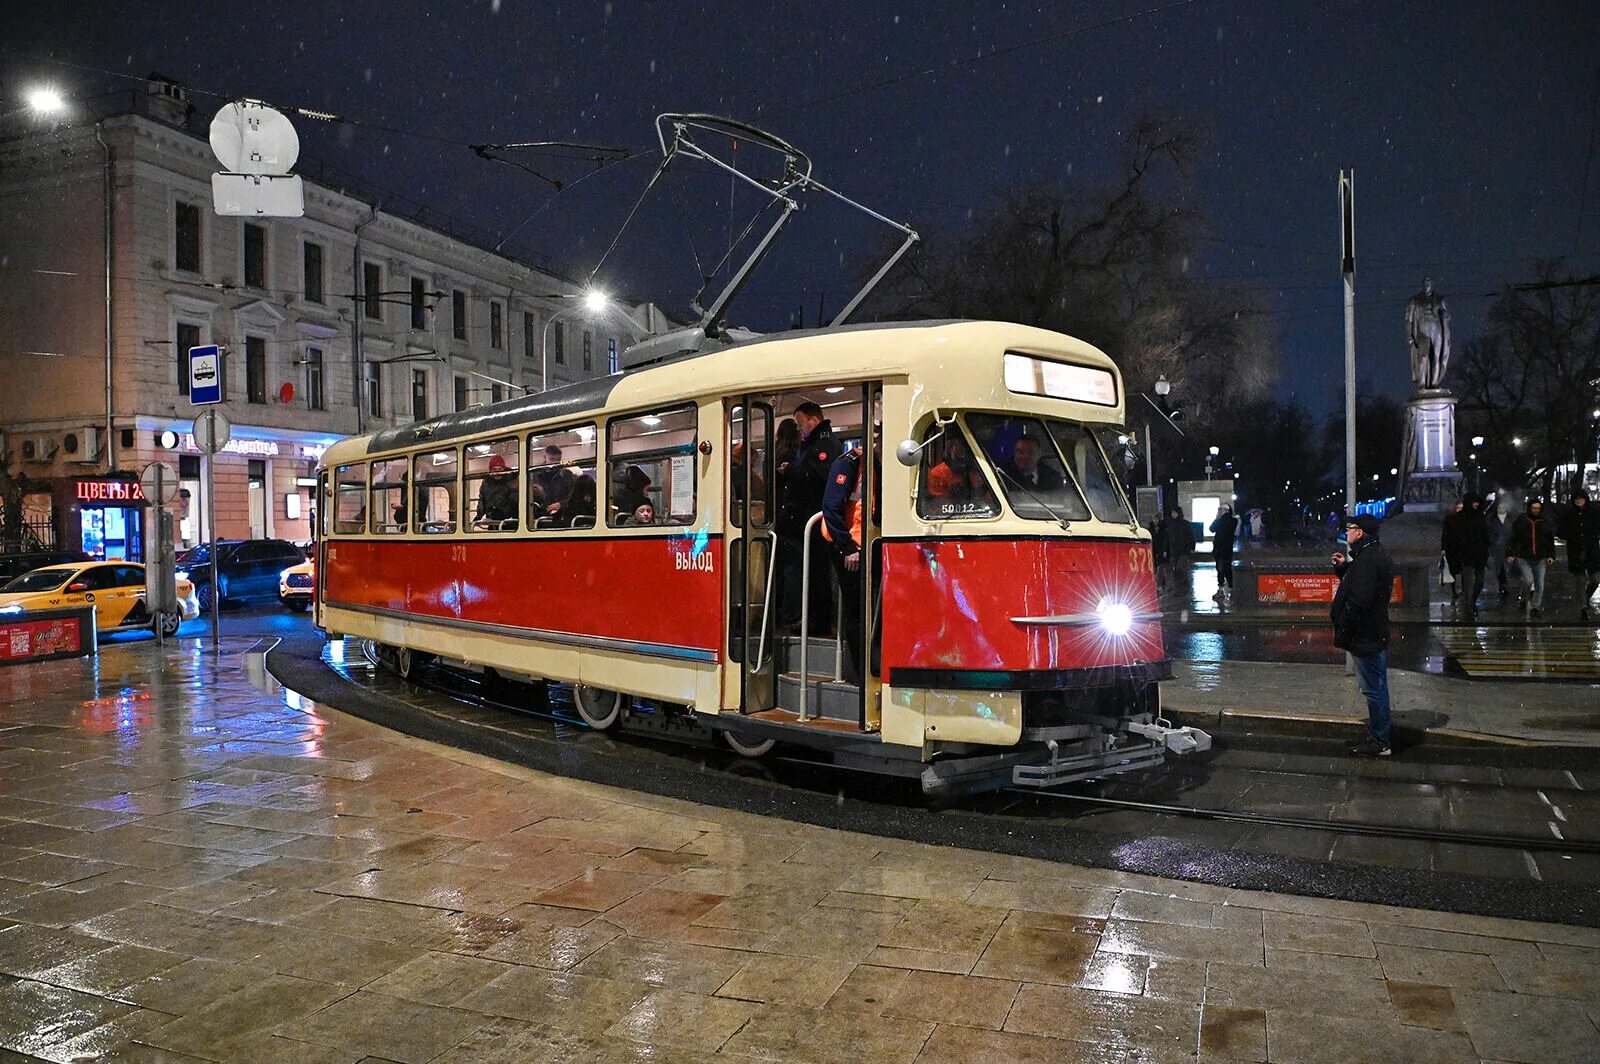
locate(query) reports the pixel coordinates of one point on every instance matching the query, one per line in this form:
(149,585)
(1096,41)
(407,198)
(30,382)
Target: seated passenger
(579,508)
(497,497)
(957,480)
(628,485)
(1025,469)
(553,477)
(643,514)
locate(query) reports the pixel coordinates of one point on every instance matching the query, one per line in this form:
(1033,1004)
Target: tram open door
(752,544)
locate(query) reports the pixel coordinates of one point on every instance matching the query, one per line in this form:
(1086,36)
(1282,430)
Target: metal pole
(211,525)
(1149,457)
(111,439)
(1347,228)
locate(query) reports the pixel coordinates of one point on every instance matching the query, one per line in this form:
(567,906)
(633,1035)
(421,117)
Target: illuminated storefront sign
(264,448)
(112,492)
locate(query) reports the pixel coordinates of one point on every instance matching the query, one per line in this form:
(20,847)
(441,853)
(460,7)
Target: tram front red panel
(648,590)
(949,604)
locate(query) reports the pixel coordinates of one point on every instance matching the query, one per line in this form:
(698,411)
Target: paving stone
(1303,1038)
(787,980)
(1439,967)
(675,1018)
(378,1025)
(585,1004)
(1112,1020)
(1529,1029)
(778,1032)
(1315,934)
(959,999)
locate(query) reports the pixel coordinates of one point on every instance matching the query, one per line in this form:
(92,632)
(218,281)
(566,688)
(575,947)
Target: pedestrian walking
(1360,616)
(1223,530)
(1581,530)
(1533,547)
(1471,544)
(1499,520)
(1450,546)
(1178,535)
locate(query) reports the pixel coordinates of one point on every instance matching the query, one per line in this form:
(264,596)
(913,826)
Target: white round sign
(159,482)
(212,431)
(249,137)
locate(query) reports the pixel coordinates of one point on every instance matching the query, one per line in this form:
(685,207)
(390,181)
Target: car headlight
(1115,617)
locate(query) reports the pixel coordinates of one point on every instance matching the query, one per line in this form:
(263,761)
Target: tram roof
(592,396)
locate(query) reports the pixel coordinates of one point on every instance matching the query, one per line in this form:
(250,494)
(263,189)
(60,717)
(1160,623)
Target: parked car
(115,589)
(16,564)
(296,584)
(246,568)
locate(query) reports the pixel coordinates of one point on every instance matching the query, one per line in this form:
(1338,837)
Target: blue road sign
(205,375)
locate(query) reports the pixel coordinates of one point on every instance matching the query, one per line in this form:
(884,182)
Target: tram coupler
(1184,740)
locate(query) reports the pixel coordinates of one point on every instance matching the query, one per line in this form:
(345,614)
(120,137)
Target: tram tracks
(801,772)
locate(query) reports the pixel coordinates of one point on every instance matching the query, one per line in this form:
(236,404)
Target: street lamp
(1477,441)
(1211,454)
(45,100)
(593,302)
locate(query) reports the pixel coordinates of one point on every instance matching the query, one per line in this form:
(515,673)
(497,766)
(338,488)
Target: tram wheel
(740,746)
(599,708)
(408,662)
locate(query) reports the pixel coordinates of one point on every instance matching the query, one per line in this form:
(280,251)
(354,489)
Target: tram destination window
(350,500)
(388,507)
(953,486)
(651,460)
(433,481)
(492,481)
(562,491)
(1028,468)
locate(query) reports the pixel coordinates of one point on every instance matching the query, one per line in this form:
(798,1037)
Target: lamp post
(1477,471)
(594,302)
(1211,454)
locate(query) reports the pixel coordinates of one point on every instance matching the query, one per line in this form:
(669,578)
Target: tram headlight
(1115,617)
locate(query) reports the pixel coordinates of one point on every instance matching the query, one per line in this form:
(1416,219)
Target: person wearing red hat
(1361,624)
(497,498)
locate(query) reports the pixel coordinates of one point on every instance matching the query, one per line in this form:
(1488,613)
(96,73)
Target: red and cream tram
(1011,635)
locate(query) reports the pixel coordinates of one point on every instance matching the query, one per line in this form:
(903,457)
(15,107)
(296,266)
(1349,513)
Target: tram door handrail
(805,618)
(766,602)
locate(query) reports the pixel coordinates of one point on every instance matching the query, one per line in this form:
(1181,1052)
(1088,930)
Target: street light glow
(1394,472)
(594,301)
(46,101)
(1216,450)
(1516,441)
(1477,441)
(1163,386)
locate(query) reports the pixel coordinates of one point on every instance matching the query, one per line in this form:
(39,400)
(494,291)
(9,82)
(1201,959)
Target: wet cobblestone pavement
(197,866)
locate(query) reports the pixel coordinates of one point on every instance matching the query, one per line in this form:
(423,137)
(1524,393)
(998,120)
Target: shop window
(561,478)
(491,482)
(651,462)
(433,479)
(389,496)
(350,500)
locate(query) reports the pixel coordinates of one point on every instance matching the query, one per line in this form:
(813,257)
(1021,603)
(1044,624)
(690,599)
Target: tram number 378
(1140,561)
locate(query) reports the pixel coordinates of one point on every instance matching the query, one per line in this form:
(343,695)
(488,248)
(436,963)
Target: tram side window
(1027,467)
(1087,462)
(433,479)
(388,507)
(652,468)
(953,486)
(491,480)
(350,499)
(561,478)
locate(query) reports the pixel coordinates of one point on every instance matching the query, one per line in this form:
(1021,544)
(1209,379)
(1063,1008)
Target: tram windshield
(1049,469)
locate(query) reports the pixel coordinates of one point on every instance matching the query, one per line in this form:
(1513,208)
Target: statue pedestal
(1430,480)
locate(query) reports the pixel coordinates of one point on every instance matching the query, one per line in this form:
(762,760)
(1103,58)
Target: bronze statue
(1428,333)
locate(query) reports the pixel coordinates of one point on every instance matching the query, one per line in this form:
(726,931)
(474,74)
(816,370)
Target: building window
(458,314)
(316,395)
(497,393)
(419,303)
(186,238)
(529,331)
(419,395)
(313,273)
(374,389)
(372,290)
(588,351)
(188,336)
(255,369)
(461,394)
(497,326)
(558,346)
(255,256)
(613,360)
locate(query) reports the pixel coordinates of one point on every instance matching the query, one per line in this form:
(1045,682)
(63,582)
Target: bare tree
(1109,265)
(1535,375)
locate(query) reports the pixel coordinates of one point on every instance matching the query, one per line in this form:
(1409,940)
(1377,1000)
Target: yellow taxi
(115,589)
(296,584)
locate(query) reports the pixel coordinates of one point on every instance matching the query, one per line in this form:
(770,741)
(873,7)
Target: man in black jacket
(1361,624)
(804,478)
(1466,533)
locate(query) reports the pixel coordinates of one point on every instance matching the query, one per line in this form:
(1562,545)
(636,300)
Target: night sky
(1469,125)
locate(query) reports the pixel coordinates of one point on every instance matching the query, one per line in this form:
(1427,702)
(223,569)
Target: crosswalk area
(1525,652)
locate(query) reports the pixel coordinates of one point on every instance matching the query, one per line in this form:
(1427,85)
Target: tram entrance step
(828,698)
(820,661)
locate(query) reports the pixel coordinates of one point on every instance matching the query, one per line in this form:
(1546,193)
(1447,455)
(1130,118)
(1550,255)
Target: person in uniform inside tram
(956,483)
(497,497)
(804,478)
(841,527)
(1025,469)
(643,514)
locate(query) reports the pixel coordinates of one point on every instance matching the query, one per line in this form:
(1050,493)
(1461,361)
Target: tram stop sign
(159,482)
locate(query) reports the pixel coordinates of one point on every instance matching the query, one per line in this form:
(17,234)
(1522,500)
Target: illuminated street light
(1516,441)
(1164,387)
(1394,472)
(594,301)
(1477,441)
(46,101)
(1215,451)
